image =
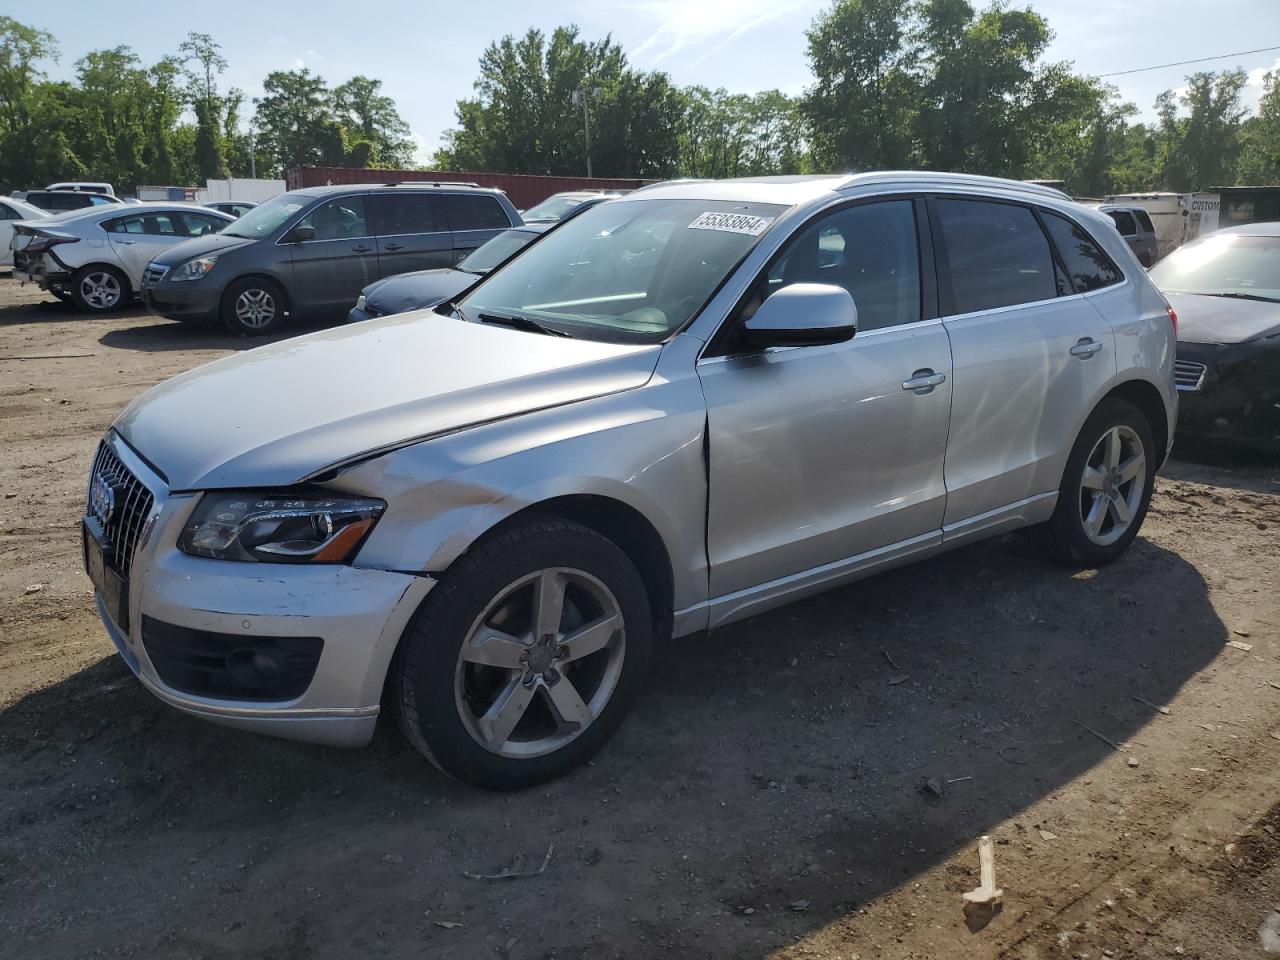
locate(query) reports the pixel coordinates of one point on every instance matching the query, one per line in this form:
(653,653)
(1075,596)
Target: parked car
(1135,226)
(559,205)
(87,187)
(12,211)
(234,208)
(312,251)
(426,288)
(60,201)
(1226,290)
(682,408)
(95,258)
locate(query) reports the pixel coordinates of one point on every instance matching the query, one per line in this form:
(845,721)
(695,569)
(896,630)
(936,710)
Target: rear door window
(996,253)
(1089,267)
(397,213)
(474,213)
(151,224)
(1124,222)
(198,224)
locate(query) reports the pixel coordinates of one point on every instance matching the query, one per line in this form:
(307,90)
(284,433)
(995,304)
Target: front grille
(1188,376)
(120,504)
(154,273)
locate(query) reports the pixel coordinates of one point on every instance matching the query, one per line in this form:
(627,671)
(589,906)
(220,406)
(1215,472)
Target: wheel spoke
(592,638)
(493,648)
(501,718)
(1120,511)
(1094,478)
(1132,467)
(567,705)
(1111,452)
(548,604)
(1097,514)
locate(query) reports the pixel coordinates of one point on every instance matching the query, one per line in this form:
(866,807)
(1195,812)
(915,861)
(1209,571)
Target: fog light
(253,668)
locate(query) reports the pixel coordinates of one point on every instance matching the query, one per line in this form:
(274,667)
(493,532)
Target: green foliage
(1260,138)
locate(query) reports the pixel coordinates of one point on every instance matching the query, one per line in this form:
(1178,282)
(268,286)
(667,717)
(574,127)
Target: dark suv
(311,251)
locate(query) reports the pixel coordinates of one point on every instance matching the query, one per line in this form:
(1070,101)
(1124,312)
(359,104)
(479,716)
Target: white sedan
(95,257)
(11,211)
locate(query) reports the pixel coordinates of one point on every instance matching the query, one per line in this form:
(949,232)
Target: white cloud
(705,25)
(422,148)
(1257,73)
(299,63)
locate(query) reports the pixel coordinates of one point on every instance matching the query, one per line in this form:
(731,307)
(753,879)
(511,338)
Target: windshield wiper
(1247,296)
(520,322)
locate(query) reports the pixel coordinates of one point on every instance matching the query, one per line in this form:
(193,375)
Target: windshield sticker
(732,223)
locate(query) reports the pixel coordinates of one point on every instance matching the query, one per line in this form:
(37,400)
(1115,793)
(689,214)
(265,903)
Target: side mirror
(302,233)
(801,315)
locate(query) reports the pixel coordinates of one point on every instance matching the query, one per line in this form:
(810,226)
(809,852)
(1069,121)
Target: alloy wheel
(541,662)
(255,308)
(101,290)
(1112,484)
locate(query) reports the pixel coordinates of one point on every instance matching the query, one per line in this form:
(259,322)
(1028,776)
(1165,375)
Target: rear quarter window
(474,213)
(1124,222)
(1087,264)
(1144,221)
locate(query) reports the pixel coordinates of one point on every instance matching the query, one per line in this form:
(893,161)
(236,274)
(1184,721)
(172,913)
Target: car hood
(199,247)
(281,413)
(413,291)
(1205,319)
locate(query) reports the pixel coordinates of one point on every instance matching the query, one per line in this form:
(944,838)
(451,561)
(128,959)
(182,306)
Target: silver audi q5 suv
(686,406)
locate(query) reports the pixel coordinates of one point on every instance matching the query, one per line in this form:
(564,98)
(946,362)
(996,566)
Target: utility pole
(253,155)
(582,97)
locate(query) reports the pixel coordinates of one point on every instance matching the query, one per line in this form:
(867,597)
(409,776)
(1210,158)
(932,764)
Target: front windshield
(1223,265)
(488,255)
(265,217)
(553,208)
(628,271)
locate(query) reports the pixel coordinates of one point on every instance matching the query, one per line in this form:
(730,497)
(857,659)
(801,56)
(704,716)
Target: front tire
(525,657)
(253,307)
(1106,487)
(99,289)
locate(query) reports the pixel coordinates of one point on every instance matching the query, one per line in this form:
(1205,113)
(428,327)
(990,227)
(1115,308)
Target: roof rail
(430,183)
(955,179)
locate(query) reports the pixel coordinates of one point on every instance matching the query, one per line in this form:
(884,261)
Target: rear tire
(253,307)
(525,657)
(1106,488)
(99,289)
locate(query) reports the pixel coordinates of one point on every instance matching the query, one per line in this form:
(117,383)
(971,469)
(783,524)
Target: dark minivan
(310,252)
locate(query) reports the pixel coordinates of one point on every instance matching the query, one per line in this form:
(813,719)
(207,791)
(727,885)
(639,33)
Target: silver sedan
(684,407)
(95,257)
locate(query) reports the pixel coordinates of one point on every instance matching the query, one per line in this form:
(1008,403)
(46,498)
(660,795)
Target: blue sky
(426,52)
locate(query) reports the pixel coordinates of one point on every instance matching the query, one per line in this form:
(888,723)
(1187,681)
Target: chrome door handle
(923,381)
(126,243)
(393,247)
(1085,348)
(361,249)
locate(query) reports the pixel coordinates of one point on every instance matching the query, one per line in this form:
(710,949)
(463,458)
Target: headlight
(193,269)
(360,302)
(279,527)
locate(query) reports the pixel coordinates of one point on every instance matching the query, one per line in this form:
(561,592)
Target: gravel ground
(764,800)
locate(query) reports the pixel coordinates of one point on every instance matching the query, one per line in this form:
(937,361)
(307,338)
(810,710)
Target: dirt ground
(764,800)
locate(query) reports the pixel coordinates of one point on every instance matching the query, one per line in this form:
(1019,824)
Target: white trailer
(1177,217)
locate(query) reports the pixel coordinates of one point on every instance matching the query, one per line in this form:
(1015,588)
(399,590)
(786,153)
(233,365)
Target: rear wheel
(1106,487)
(253,307)
(99,289)
(526,656)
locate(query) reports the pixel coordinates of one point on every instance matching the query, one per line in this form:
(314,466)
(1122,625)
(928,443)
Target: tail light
(40,242)
(1173,318)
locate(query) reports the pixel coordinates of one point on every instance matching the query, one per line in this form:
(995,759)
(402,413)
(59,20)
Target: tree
(295,124)
(203,62)
(1260,137)
(370,116)
(1200,150)
(22,48)
(734,135)
(523,118)
(866,95)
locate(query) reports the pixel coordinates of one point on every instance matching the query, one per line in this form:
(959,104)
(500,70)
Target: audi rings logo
(102,500)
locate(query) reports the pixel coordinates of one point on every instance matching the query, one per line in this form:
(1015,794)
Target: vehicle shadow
(1224,467)
(775,761)
(53,309)
(158,337)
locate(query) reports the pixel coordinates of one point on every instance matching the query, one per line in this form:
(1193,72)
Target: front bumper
(1237,400)
(194,300)
(360,615)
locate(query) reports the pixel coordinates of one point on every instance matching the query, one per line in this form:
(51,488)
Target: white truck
(1177,217)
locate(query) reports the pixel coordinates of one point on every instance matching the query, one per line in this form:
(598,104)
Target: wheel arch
(1147,399)
(129,287)
(626,527)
